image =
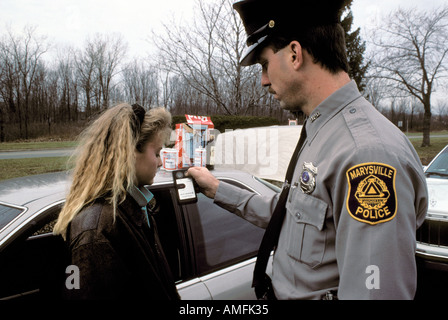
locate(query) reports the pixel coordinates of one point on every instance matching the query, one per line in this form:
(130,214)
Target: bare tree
(110,50)
(67,83)
(84,62)
(442,110)
(205,54)
(375,91)
(50,104)
(140,84)
(23,54)
(8,81)
(410,54)
(97,64)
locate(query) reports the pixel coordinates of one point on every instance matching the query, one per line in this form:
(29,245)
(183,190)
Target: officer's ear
(295,50)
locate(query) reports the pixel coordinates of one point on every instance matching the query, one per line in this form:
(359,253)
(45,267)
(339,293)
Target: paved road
(35,154)
(432,136)
(68,152)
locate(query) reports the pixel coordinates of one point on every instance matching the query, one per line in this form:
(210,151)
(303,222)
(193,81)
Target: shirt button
(353,110)
(298,215)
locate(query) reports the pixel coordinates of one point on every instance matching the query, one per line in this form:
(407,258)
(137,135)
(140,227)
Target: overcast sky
(71,21)
(366,11)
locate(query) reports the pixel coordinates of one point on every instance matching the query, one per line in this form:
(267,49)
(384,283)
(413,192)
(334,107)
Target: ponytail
(105,163)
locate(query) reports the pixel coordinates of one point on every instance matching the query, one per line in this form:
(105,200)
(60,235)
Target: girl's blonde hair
(105,158)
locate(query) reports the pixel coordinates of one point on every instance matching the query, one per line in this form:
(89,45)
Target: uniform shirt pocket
(306,237)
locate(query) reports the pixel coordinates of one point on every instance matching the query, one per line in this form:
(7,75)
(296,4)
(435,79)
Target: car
(211,251)
(432,236)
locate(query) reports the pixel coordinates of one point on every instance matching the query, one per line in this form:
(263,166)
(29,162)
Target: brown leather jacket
(120,259)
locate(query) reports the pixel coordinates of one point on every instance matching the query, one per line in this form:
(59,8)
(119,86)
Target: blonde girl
(106,221)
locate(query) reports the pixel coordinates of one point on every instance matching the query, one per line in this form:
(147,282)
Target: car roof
(25,190)
(21,191)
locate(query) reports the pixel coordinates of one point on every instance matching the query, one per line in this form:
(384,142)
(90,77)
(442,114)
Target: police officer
(358,192)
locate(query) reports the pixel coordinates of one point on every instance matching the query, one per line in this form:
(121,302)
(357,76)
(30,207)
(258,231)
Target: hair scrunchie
(139,113)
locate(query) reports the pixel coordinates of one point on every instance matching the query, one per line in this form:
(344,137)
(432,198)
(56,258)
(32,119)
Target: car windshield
(439,167)
(7,214)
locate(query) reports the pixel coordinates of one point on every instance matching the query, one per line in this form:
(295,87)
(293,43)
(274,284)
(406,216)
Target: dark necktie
(272,233)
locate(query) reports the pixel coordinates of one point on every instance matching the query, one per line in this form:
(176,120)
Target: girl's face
(148,161)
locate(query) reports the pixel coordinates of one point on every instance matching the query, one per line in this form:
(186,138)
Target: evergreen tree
(355,48)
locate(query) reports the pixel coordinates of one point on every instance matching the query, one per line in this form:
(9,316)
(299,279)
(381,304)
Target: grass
(18,146)
(21,167)
(13,168)
(426,154)
(419,134)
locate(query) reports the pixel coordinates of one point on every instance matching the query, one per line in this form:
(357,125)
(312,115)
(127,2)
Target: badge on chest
(308,178)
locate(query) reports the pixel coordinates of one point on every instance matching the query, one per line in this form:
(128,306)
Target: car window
(33,263)
(439,167)
(220,237)
(8,213)
(271,184)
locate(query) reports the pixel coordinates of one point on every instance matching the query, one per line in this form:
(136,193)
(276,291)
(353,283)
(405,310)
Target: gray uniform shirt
(352,226)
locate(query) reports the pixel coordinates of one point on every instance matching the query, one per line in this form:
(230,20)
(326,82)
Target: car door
(33,265)
(225,247)
(176,241)
(211,252)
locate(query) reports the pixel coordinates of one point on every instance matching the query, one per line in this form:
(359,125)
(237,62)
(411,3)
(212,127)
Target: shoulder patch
(372,197)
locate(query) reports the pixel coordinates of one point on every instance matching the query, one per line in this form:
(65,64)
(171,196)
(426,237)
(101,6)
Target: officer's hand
(205,180)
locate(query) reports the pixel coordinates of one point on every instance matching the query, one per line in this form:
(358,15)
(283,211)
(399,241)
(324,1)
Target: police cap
(265,18)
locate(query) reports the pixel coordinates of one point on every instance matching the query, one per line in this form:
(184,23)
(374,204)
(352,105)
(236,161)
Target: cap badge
(308,178)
